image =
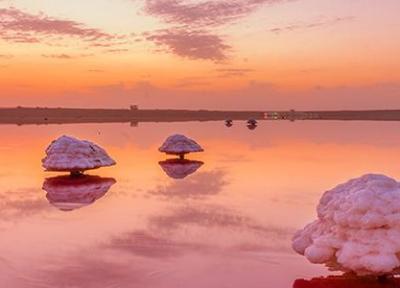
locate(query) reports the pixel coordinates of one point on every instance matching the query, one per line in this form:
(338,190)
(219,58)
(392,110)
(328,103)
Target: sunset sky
(224,54)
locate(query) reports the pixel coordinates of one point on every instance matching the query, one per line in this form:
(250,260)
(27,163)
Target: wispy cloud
(190,82)
(196,44)
(206,81)
(117,51)
(198,186)
(192,36)
(22,27)
(65,56)
(6,56)
(310,25)
(233,72)
(96,70)
(206,13)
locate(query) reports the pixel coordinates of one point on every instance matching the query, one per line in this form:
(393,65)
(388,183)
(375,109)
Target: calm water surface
(228,224)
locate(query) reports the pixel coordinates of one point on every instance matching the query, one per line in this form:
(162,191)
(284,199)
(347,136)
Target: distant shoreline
(42,116)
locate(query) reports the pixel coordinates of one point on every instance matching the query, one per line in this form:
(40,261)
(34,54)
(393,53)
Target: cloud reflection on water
(200,185)
(21,203)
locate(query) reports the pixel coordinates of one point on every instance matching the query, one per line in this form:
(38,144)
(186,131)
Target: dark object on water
(228,123)
(252,122)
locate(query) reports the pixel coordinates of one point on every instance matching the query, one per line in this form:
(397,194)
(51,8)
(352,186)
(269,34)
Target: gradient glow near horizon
(236,54)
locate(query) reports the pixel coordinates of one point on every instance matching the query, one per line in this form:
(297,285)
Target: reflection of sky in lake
(228,224)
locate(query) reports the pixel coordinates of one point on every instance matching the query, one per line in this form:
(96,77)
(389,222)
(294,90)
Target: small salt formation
(75,156)
(180,145)
(358,227)
(179,169)
(228,123)
(70,193)
(252,124)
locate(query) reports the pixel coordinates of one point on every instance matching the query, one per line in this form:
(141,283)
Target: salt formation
(252,124)
(75,156)
(180,168)
(347,281)
(70,193)
(358,227)
(229,123)
(180,145)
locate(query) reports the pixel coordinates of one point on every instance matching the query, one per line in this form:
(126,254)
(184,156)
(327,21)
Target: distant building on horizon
(134,107)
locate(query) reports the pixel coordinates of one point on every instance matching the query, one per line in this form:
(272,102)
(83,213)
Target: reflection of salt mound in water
(347,282)
(70,193)
(180,168)
(252,127)
(358,227)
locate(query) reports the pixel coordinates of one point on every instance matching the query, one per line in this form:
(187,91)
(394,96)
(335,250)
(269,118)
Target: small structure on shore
(272,116)
(70,193)
(180,168)
(69,154)
(180,145)
(357,229)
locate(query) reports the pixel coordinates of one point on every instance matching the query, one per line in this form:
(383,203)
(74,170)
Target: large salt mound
(358,227)
(73,155)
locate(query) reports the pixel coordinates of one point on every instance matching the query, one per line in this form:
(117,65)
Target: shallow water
(228,224)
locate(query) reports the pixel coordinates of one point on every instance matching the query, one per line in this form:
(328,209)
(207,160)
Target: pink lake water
(228,224)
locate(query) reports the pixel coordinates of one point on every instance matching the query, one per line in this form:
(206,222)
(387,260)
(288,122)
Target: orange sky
(200,54)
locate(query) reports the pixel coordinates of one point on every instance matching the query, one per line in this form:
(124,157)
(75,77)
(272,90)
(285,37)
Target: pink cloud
(19,26)
(205,13)
(192,37)
(192,44)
